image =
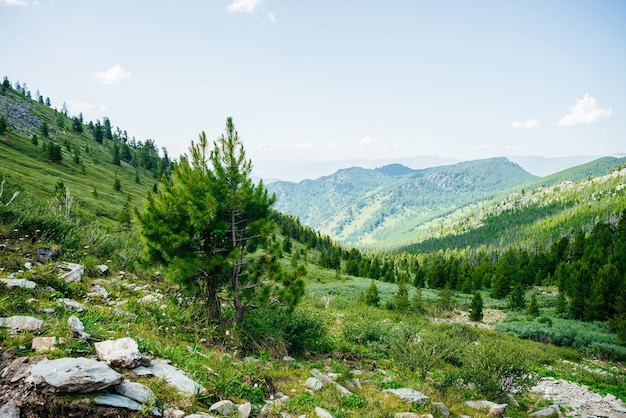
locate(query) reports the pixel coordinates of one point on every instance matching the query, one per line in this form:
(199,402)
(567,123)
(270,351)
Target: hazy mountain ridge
(382,206)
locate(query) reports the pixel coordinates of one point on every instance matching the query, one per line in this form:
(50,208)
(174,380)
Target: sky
(311,82)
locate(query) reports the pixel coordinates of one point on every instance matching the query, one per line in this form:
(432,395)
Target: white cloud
(112,76)
(523,126)
(244,6)
(88,109)
(366,141)
(271,17)
(585,112)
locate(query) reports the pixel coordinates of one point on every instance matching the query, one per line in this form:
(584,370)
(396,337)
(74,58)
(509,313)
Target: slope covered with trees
(383,207)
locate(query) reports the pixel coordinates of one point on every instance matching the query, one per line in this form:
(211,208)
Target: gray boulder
(74,375)
(20,323)
(73,272)
(225,408)
(77,327)
(44,344)
(313,384)
(322,413)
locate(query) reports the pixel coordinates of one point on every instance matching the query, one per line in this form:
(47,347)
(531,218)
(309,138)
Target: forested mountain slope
(383,206)
(573,200)
(55,156)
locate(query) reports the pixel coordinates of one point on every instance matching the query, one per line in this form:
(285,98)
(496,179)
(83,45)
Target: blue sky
(334,80)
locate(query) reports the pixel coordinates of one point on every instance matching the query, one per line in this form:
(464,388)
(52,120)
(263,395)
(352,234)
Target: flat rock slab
(123,352)
(20,323)
(410,395)
(136,392)
(26,284)
(74,375)
(172,375)
(119,401)
(73,272)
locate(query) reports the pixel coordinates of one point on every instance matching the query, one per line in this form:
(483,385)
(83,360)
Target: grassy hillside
(86,167)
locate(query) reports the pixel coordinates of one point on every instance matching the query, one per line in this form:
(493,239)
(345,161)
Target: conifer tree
(401,298)
(372,297)
(476,307)
(210,225)
(533,307)
(418,301)
(516,298)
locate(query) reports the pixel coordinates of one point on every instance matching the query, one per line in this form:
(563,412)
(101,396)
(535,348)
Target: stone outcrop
(579,398)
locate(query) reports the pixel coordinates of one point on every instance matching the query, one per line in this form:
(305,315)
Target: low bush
(278,331)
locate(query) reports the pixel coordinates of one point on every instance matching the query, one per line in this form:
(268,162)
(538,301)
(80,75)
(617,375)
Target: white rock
(244,410)
(322,413)
(123,352)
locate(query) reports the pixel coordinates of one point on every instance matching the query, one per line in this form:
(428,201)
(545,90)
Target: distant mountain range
(385,206)
(394,205)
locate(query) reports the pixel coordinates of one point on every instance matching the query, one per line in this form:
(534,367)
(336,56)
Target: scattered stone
(495,410)
(149,299)
(99,290)
(123,352)
(28,265)
(10,410)
(74,375)
(225,408)
(410,395)
(322,413)
(199,415)
(74,272)
(23,283)
(102,268)
(44,344)
(289,359)
(443,409)
(43,254)
(20,323)
(322,377)
(244,410)
(174,413)
(49,311)
(546,412)
(172,375)
(252,360)
(313,384)
(405,415)
(71,304)
(77,327)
